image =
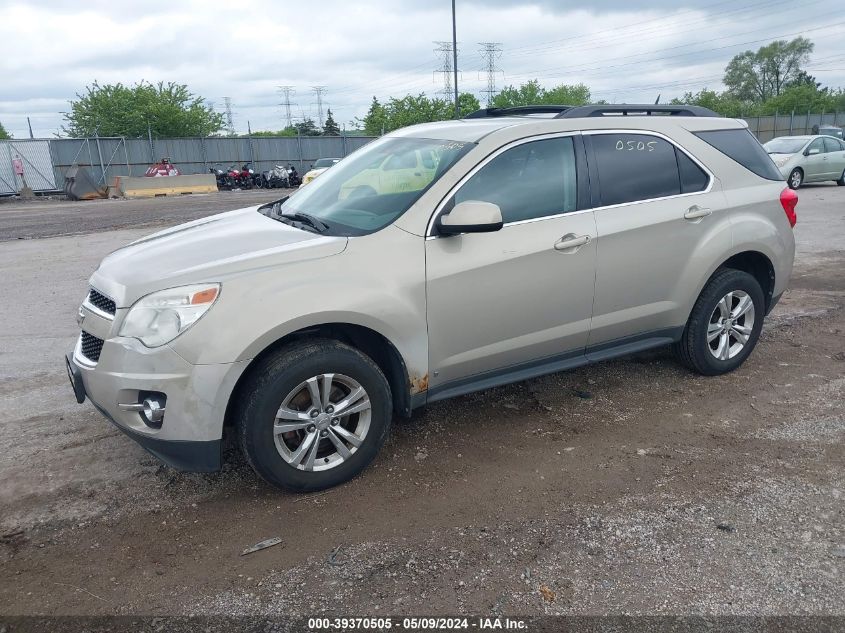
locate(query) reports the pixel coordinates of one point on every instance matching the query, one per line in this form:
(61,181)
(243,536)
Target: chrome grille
(101,302)
(91,346)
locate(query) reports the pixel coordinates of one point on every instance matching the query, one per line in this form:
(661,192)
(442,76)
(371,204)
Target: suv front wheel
(313,415)
(724,325)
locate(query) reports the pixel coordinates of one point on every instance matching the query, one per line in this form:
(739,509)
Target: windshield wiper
(305,218)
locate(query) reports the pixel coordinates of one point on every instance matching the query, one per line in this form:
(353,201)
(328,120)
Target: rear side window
(635,167)
(832,145)
(693,177)
(741,146)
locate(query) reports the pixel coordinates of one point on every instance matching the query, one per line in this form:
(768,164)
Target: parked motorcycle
(221,177)
(279,177)
(294,179)
(240,177)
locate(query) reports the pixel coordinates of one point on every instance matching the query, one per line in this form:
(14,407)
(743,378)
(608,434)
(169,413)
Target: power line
(230,122)
(287,93)
(490,52)
(444,52)
(319,91)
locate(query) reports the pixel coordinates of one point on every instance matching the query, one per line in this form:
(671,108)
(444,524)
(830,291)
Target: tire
(271,384)
(707,319)
(841,181)
(796,178)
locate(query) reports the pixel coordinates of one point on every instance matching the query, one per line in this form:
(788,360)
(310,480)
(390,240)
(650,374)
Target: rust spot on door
(418,385)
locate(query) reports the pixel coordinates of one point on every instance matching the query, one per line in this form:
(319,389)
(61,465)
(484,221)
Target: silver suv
(436,261)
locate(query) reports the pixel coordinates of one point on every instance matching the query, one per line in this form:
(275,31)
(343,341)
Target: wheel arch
(759,266)
(366,340)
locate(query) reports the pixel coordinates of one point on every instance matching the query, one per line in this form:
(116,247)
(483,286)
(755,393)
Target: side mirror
(471,216)
(810,152)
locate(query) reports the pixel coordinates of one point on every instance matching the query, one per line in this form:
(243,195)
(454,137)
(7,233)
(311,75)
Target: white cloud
(625,51)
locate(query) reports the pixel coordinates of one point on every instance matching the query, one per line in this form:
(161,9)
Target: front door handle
(696,212)
(571,242)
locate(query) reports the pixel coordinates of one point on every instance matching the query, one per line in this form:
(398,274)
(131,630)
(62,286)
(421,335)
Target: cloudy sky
(624,50)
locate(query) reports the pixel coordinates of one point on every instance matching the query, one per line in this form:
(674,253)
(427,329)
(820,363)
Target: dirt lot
(627,487)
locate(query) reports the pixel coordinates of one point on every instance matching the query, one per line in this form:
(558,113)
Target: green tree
(307,127)
(170,110)
(287,131)
(468,103)
(3,133)
(375,121)
(722,103)
(413,109)
(759,76)
(532,93)
(330,127)
(801,98)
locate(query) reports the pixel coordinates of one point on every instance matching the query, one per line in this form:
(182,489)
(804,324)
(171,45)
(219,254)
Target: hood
(781,159)
(210,249)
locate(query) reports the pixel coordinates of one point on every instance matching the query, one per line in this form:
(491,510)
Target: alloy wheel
(731,324)
(322,422)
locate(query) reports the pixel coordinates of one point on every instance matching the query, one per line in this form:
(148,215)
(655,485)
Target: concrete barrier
(150,187)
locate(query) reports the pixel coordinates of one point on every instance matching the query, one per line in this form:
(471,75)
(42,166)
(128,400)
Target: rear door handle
(571,241)
(696,212)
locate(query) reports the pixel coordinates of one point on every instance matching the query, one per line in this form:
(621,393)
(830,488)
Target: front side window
(817,145)
(529,181)
(635,167)
(370,189)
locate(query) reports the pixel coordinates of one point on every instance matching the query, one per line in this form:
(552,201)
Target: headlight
(780,162)
(161,316)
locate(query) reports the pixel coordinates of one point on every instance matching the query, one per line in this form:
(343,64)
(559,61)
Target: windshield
(372,187)
(785,145)
(322,163)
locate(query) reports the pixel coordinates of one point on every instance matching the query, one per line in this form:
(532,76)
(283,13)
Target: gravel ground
(52,217)
(628,487)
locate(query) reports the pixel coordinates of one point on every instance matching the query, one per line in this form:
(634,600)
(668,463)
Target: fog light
(153,409)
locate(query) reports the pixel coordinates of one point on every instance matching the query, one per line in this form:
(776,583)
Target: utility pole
(490,52)
(230,123)
(319,91)
(455,60)
(444,52)
(29,123)
(287,93)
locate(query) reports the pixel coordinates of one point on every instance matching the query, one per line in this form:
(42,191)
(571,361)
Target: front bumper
(189,437)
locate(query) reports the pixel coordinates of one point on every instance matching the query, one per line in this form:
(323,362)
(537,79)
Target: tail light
(788,200)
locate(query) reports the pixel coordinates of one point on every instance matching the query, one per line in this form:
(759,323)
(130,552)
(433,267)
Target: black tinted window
(742,147)
(635,167)
(529,181)
(693,177)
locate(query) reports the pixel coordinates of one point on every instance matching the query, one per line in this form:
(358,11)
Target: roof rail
(575,112)
(625,109)
(518,111)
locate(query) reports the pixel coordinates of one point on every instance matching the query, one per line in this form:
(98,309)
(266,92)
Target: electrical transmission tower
(444,54)
(490,52)
(230,123)
(319,91)
(287,92)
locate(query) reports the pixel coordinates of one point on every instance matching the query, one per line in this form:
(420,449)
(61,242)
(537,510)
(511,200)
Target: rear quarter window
(741,146)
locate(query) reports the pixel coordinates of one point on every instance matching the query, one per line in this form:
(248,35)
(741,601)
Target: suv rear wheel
(724,325)
(313,415)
